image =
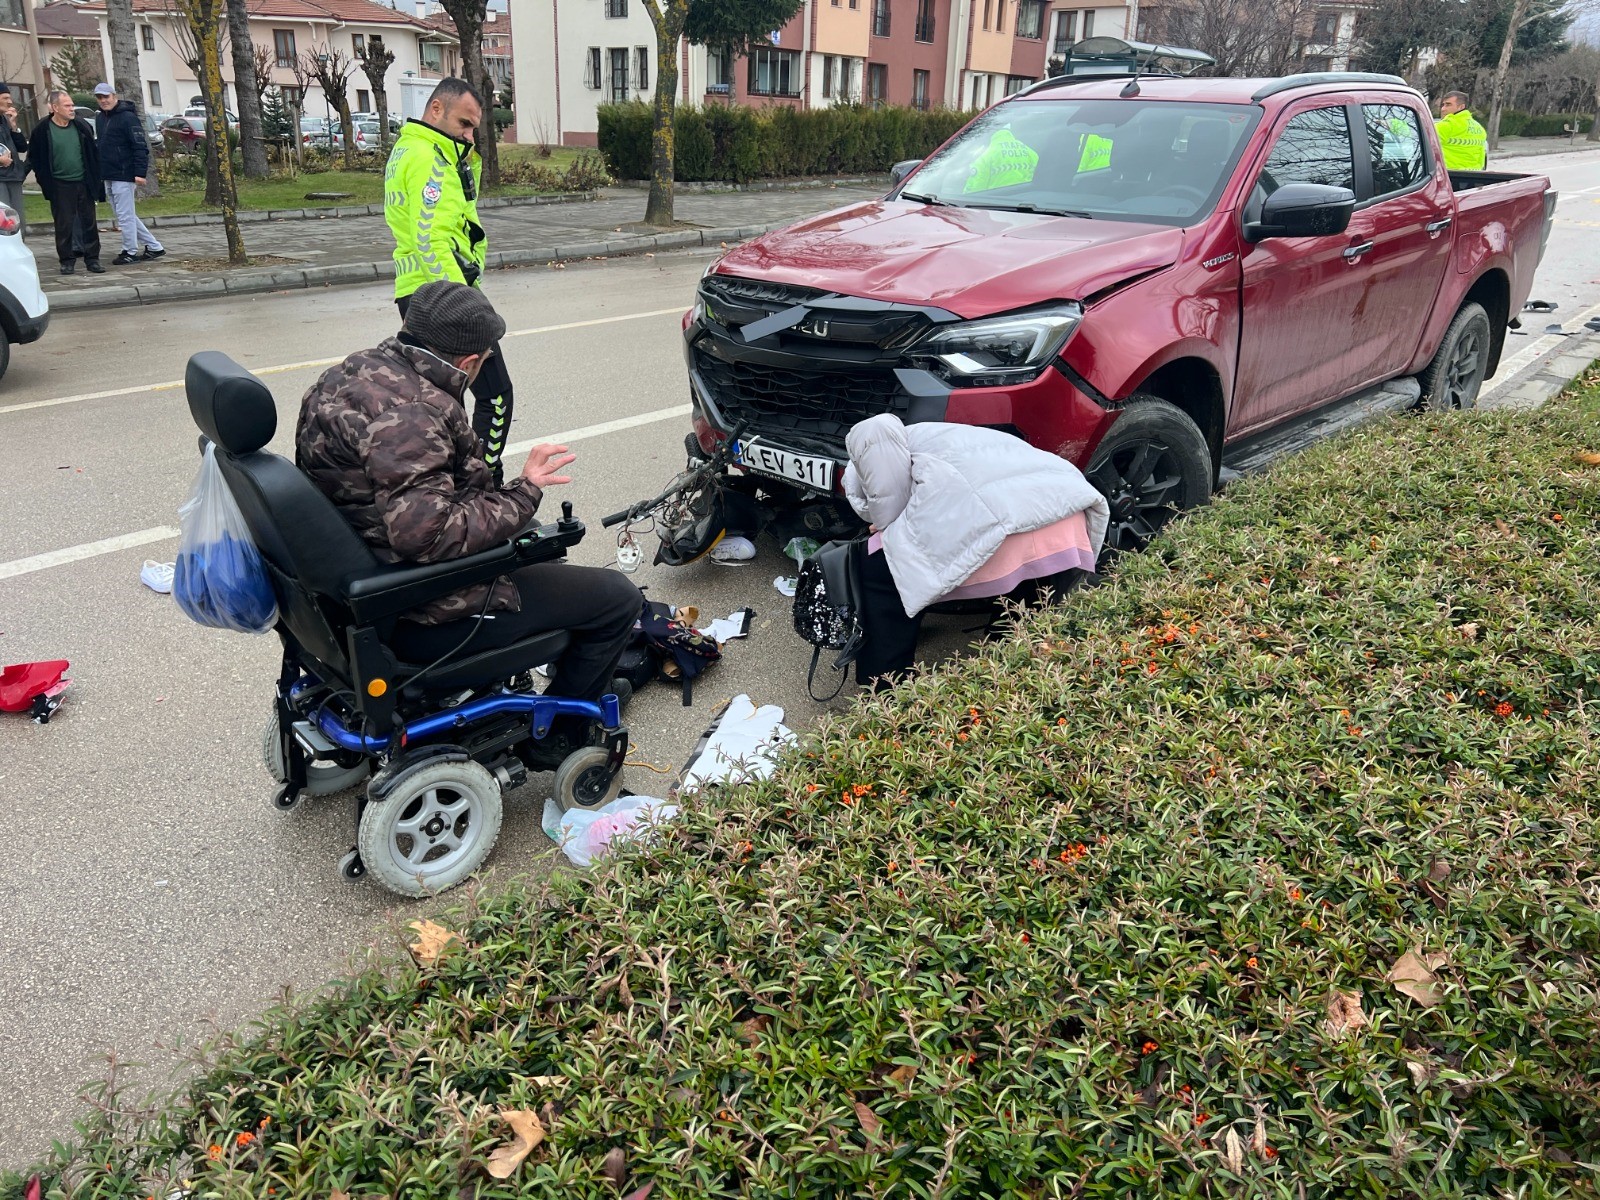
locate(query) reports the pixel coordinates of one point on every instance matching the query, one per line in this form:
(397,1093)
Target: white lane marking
(314,363)
(164,533)
(1540,346)
(58,558)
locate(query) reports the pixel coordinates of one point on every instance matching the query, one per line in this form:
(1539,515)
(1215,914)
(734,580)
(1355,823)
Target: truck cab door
(1299,296)
(1404,210)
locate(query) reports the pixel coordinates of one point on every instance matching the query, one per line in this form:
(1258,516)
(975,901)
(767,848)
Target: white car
(24,312)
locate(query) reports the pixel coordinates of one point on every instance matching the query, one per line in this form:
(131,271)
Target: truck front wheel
(1152,464)
(1455,375)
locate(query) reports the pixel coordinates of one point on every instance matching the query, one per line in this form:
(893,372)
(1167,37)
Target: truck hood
(970,261)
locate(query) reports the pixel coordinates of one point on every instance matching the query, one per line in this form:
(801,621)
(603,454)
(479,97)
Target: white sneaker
(157,576)
(733,550)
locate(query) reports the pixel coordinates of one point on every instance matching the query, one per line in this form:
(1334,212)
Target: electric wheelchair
(433,744)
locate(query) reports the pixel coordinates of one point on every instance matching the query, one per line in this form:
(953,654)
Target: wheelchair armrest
(397,589)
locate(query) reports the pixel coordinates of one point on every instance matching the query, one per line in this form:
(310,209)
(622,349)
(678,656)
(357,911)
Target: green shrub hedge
(1265,870)
(1516,124)
(734,143)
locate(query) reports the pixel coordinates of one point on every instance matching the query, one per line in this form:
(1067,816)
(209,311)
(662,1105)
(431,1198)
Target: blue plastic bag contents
(219,579)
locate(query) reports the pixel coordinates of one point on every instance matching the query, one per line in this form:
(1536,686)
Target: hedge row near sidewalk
(736,143)
(1516,124)
(1266,869)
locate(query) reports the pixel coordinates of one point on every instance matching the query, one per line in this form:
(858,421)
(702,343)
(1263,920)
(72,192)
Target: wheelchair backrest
(308,546)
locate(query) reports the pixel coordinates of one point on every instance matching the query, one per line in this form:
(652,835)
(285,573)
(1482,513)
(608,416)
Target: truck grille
(820,404)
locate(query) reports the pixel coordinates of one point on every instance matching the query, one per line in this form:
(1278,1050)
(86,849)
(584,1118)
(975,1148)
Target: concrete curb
(277,279)
(41,229)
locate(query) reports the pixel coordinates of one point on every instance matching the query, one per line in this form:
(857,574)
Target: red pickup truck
(1134,272)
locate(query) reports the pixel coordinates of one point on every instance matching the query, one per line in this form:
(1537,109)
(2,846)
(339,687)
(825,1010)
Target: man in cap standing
(124,161)
(13,155)
(385,436)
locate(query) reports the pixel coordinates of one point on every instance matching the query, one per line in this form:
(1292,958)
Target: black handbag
(827,608)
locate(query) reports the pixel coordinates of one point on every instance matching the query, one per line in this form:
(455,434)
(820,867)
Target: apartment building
(286,28)
(20,63)
(574,55)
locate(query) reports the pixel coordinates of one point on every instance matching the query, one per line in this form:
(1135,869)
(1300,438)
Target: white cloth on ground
(741,747)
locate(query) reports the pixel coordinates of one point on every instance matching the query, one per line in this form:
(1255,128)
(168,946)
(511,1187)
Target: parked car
(153,122)
(369,136)
(315,132)
(184,135)
(1135,274)
(24,311)
(200,112)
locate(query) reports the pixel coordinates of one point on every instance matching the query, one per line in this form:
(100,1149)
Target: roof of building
(64,20)
(358,12)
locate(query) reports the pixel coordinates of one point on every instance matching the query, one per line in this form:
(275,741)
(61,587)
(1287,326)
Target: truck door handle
(1352,253)
(1434,227)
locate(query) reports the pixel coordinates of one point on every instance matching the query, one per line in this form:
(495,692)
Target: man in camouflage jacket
(386,437)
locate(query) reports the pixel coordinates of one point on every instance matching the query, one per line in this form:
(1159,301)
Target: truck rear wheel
(1152,464)
(1455,376)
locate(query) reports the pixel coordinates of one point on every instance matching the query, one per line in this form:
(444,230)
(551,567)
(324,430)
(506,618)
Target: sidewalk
(317,251)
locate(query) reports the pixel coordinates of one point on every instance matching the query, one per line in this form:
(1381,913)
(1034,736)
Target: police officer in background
(431,205)
(1464,141)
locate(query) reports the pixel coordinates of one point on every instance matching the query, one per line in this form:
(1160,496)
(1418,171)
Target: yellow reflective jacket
(434,221)
(1004,162)
(1464,141)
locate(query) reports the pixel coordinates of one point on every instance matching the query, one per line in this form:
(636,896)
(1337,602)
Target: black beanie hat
(452,318)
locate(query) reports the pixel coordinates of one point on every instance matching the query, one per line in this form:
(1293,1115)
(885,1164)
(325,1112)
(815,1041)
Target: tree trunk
(478,77)
(382,98)
(205,20)
(658,208)
(1519,10)
(125,67)
(349,128)
(1594,126)
(248,95)
(213,171)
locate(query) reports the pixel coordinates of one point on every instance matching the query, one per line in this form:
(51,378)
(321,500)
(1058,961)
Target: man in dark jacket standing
(13,155)
(63,159)
(124,159)
(385,436)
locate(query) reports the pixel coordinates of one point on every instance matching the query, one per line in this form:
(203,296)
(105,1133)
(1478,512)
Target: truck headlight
(993,351)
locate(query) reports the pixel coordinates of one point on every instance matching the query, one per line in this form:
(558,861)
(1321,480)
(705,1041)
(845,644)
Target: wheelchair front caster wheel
(351,868)
(287,798)
(587,779)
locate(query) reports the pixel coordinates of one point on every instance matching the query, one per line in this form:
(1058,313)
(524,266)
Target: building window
(719,72)
(827,76)
(855,3)
(591,68)
(619,76)
(13,13)
(880,18)
(616,8)
(359,42)
(988,12)
(1066,32)
(877,83)
(432,56)
(919,89)
(363,100)
(1088,24)
(924,30)
(641,63)
(1000,18)
(283,46)
(1326,31)
(1015,83)
(1030,20)
(155,92)
(147,37)
(291,96)
(775,72)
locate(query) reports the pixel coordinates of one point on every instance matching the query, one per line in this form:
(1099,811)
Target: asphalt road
(153,891)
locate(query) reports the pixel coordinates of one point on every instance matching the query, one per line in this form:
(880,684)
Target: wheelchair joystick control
(567,521)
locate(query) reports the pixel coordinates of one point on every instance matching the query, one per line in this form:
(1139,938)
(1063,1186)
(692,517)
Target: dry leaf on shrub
(431,941)
(1421,1072)
(752,1029)
(615,1166)
(1232,1152)
(904,1073)
(1414,977)
(1588,458)
(1469,630)
(1438,872)
(1344,1013)
(869,1121)
(530,1132)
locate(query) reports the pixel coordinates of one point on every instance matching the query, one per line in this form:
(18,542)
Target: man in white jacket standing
(959,512)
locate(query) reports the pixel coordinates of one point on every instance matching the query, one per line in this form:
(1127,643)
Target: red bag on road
(33,688)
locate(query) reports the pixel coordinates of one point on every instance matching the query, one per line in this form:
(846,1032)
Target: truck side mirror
(898,172)
(1299,210)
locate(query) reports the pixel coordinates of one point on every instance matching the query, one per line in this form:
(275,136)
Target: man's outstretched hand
(544,461)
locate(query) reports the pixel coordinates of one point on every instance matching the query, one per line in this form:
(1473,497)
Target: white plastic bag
(739,747)
(586,835)
(219,578)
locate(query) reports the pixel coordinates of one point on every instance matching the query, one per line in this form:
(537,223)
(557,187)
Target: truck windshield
(1154,161)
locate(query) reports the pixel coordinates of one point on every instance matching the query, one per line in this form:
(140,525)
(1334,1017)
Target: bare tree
(331,69)
(375,61)
(264,57)
(468,16)
(1246,37)
(204,21)
(246,91)
(1497,90)
(298,108)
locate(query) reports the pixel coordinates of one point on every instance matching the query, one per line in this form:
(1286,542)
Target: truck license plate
(813,472)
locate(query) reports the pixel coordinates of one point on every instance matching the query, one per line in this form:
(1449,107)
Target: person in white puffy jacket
(959,512)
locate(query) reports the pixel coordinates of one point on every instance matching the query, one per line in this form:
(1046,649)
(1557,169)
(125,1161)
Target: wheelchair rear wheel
(586,779)
(433,830)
